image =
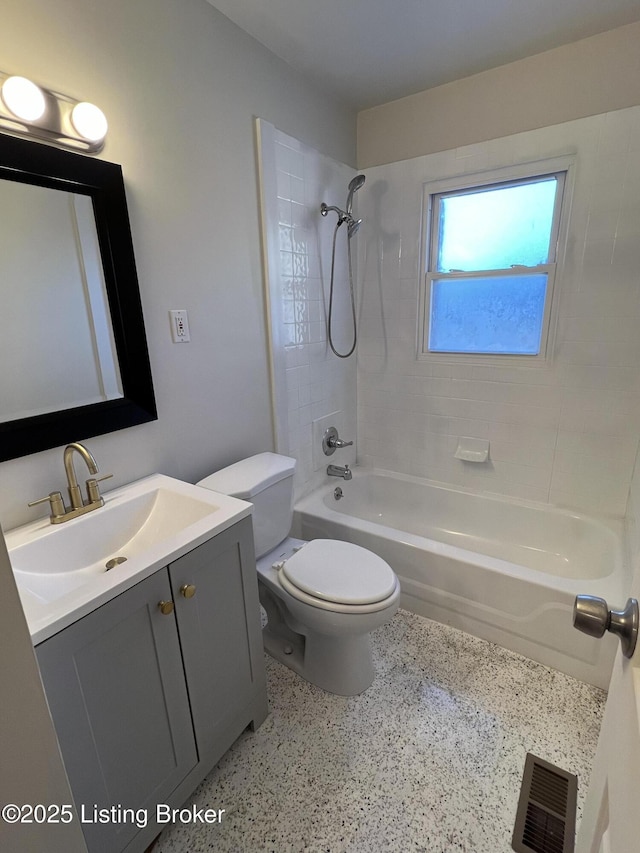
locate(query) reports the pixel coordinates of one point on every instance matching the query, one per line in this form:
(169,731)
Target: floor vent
(546,816)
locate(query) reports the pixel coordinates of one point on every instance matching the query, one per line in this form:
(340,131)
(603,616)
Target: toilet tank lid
(250,476)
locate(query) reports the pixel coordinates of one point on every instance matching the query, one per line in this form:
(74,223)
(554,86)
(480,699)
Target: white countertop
(52,600)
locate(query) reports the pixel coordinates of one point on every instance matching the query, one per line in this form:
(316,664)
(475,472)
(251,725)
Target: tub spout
(339,471)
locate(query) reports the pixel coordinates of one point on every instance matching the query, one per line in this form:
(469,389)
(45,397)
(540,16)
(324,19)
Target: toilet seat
(338,576)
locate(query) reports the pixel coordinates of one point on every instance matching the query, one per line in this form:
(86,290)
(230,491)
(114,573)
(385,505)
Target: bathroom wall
(311,387)
(566,433)
(588,77)
(180,85)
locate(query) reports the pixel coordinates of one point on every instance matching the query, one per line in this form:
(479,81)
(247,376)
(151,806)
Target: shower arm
(342,216)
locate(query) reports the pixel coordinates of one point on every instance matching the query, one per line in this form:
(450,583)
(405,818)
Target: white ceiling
(369,52)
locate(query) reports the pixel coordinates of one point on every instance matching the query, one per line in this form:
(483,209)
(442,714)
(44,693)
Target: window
(491,266)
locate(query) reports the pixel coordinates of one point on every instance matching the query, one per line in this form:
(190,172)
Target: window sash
(434,213)
(548,270)
(475,184)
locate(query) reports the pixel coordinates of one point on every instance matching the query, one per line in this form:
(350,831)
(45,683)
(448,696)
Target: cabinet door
(219,627)
(115,686)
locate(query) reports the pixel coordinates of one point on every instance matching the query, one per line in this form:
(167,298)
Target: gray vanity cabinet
(145,702)
(222,648)
(117,694)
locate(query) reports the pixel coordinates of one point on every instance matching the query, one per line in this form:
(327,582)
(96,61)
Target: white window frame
(560,167)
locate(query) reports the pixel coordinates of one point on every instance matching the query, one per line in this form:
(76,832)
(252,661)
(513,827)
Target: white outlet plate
(179,326)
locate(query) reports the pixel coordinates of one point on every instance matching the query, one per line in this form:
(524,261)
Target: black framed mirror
(69,368)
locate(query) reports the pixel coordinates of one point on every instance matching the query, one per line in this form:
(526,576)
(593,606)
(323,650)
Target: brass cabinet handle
(188,590)
(166,607)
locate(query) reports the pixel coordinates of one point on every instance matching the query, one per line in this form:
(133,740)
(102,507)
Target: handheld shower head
(345,215)
(353,226)
(354,186)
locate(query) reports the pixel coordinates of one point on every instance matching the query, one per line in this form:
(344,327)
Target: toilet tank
(266,480)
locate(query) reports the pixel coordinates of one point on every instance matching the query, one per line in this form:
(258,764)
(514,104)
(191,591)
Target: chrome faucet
(59,512)
(339,471)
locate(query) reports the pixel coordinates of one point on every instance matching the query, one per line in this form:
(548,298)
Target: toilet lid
(340,572)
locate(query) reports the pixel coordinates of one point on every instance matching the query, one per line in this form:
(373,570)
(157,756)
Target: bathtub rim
(612,586)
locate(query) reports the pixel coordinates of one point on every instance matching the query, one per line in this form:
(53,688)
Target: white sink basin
(61,570)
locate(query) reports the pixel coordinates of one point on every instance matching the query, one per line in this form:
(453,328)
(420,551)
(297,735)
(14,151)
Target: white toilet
(322,598)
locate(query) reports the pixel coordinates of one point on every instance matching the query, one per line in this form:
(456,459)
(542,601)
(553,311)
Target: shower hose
(331,287)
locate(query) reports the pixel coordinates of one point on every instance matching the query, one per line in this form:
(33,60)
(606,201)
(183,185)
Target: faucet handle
(332,442)
(93,490)
(339,442)
(55,501)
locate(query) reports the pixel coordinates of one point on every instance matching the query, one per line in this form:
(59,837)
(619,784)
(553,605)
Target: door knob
(188,590)
(166,607)
(592,616)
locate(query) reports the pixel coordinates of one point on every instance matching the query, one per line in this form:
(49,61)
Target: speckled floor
(430,758)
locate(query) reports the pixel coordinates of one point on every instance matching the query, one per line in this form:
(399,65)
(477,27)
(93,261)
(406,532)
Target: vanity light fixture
(23,98)
(89,121)
(30,110)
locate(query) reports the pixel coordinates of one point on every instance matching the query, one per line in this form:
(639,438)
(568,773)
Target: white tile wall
(567,433)
(309,381)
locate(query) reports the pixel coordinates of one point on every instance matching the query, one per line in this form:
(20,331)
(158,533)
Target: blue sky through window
(498,227)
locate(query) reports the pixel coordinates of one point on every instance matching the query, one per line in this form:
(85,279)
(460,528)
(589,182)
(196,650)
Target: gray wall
(180,85)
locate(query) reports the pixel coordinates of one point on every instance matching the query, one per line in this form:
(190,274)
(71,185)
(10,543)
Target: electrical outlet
(179,326)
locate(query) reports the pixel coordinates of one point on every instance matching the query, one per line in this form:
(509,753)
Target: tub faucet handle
(339,442)
(331,441)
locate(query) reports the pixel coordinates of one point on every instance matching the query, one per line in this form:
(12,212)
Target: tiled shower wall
(309,383)
(565,433)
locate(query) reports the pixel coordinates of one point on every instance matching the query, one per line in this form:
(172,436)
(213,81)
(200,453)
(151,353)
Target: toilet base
(341,665)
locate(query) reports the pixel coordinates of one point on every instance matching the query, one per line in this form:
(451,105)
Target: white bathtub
(504,570)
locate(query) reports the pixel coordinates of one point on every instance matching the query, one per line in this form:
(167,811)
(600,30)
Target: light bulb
(23,98)
(89,121)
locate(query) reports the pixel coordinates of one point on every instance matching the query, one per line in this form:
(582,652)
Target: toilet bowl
(322,598)
(323,639)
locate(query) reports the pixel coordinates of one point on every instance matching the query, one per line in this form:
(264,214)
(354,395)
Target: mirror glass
(50,261)
(73,355)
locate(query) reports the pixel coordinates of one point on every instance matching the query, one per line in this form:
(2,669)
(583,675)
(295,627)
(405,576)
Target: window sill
(524,362)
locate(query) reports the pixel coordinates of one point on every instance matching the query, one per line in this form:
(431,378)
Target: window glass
(497,227)
(492,314)
(490,273)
